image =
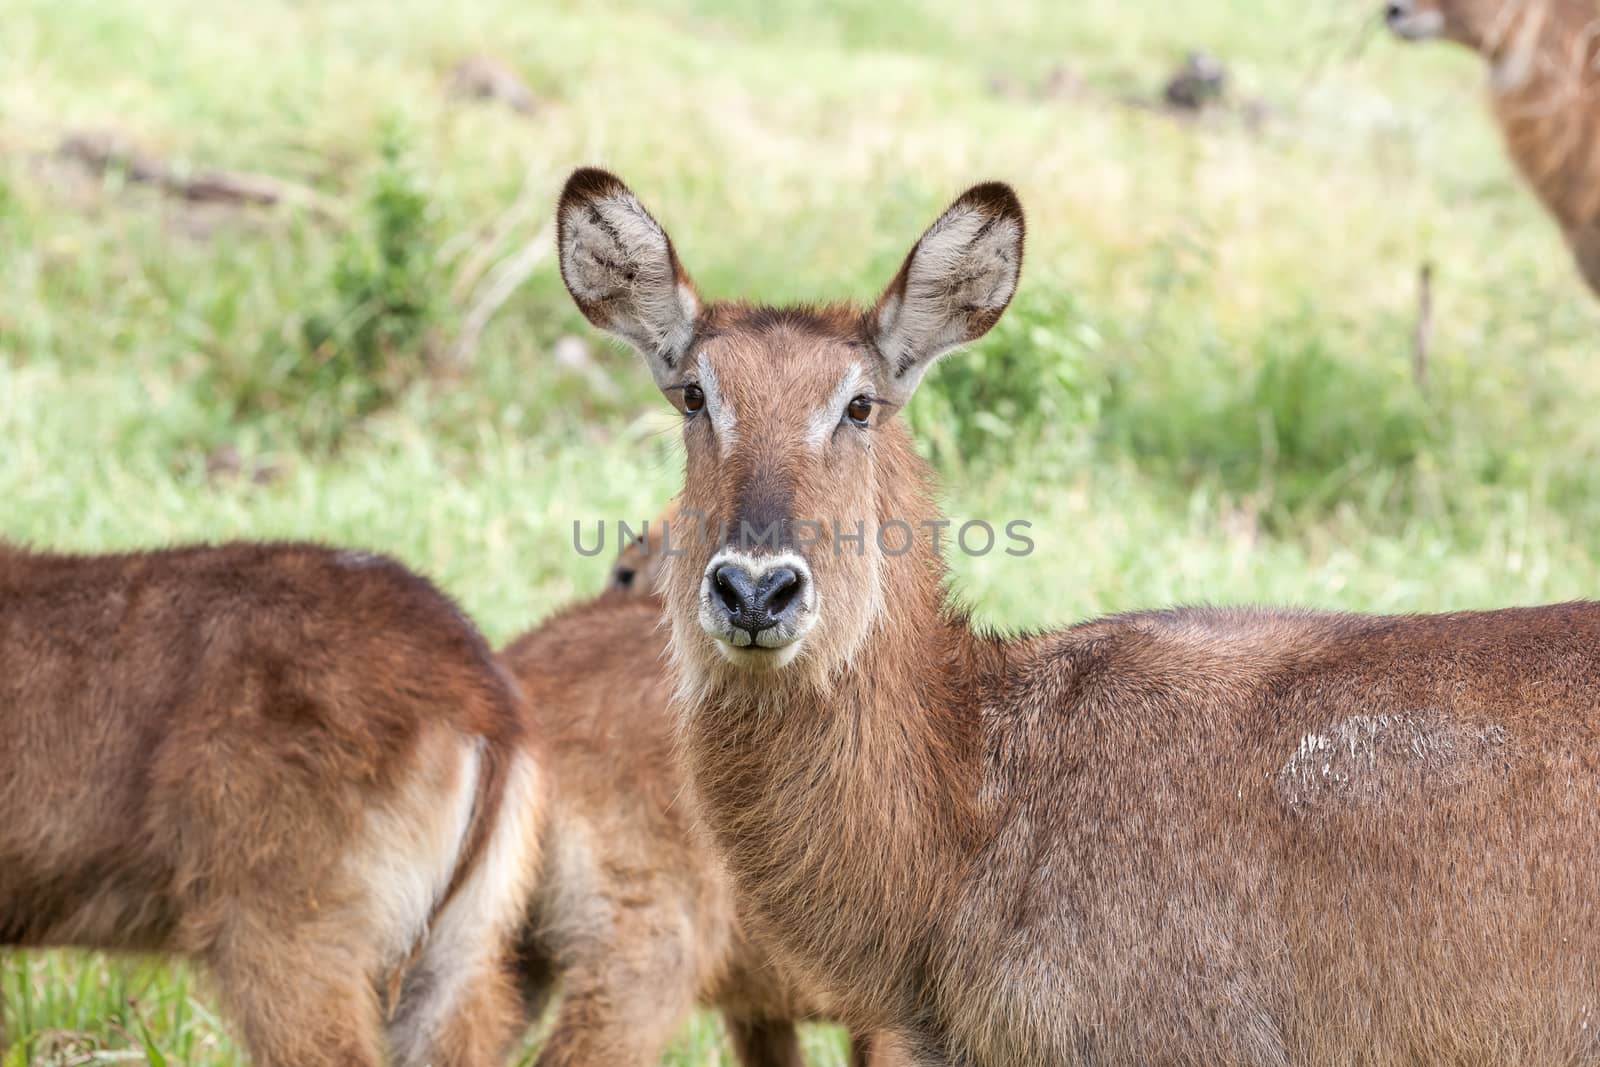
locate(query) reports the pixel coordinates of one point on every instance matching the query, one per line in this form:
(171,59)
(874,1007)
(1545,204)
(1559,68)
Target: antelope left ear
(622,272)
(953,286)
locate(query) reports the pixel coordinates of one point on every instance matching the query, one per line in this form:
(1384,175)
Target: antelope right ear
(953,286)
(620,268)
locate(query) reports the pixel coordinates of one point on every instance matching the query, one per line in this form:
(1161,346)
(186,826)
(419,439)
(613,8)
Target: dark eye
(859,410)
(693,399)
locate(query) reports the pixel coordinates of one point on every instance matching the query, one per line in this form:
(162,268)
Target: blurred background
(1289,330)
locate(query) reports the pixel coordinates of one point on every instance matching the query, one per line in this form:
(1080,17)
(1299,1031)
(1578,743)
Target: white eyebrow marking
(723,420)
(824,421)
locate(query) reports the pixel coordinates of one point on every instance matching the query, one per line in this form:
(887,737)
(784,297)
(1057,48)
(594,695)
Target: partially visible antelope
(634,916)
(1194,836)
(640,562)
(299,767)
(1544,64)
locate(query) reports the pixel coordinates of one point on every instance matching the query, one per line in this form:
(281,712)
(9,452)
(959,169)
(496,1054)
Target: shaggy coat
(634,914)
(300,767)
(1187,837)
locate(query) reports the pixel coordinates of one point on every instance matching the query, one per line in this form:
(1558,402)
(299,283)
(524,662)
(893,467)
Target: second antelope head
(1482,25)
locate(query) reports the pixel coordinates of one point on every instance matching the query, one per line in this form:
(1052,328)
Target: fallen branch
(101,152)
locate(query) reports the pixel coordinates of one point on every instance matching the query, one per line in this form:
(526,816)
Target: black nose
(756,603)
(1394,12)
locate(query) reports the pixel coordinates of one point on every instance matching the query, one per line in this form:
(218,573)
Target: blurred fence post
(1422,336)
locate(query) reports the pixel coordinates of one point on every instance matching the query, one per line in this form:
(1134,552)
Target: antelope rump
(299,767)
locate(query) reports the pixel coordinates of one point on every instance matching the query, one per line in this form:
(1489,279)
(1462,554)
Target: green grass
(1203,392)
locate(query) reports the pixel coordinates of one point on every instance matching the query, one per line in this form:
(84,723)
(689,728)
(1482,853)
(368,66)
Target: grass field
(1204,391)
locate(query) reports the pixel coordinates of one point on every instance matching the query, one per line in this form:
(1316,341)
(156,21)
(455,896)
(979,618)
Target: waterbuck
(1196,836)
(633,913)
(300,767)
(1544,62)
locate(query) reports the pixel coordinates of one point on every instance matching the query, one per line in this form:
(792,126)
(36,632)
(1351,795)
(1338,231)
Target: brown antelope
(633,913)
(1196,836)
(300,767)
(1544,61)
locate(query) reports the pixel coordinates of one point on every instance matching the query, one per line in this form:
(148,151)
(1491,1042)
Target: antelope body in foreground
(301,768)
(1197,836)
(633,914)
(1544,60)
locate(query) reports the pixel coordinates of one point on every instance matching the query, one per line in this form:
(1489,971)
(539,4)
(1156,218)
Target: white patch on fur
(572,887)
(958,269)
(469,937)
(688,303)
(622,262)
(1364,755)
(827,418)
(1515,67)
(411,853)
(724,421)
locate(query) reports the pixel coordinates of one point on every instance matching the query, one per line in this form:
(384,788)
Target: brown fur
(234,754)
(633,913)
(1197,836)
(1545,61)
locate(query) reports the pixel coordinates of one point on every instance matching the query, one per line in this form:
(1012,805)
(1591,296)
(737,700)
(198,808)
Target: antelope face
(792,447)
(1477,24)
(1414,20)
(779,412)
